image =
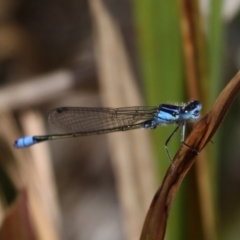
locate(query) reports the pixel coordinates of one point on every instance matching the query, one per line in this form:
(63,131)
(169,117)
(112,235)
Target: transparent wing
(83,119)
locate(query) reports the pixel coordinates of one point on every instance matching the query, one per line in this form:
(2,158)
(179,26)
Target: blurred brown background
(115,54)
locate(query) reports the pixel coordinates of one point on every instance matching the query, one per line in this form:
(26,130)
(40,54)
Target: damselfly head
(194,107)
(190,111)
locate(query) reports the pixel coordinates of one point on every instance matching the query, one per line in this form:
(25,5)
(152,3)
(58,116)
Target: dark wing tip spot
(59,110)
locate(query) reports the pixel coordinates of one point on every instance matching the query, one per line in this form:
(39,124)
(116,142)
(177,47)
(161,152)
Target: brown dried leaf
(156,220)
(18,224)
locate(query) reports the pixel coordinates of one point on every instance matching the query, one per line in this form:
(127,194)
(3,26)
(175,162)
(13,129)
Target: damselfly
(83,121)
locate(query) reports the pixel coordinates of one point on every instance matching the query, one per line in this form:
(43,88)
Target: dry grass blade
(156,220)
(119,88)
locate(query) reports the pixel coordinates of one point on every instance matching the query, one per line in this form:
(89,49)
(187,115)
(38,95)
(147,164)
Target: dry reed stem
(130,151)
(156,220)
(195,58)
(49,87)
(34,175)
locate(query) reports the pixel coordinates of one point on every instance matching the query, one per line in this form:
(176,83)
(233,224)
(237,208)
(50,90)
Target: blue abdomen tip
(24,142)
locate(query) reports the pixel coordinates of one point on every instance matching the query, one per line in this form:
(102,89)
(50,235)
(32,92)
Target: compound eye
(196,113)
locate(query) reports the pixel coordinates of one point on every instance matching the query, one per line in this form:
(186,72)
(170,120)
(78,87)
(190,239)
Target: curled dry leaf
(155,223)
